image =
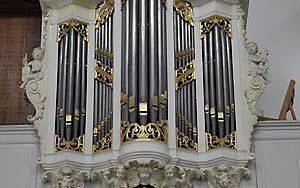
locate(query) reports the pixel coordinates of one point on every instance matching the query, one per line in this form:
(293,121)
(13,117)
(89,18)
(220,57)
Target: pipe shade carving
(144,68)
(219,106)
(71,86)
(103,83)
(185,102)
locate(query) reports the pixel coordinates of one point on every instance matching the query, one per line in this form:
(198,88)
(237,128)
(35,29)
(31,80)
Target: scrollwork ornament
(225,176)
(32,75)
(258,65)
(185,10)
(156,131)
(66,178)
(207,24)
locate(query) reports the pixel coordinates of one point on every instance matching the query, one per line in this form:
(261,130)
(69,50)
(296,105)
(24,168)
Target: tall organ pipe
(132,64)
(219,82)
(143,69)
(153,59)
(212,82)
(226,83)
(206,62)
(144,54)
(231,87)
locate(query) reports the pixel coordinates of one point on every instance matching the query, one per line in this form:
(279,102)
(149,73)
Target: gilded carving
(104,11)
(186,142)
(79,26)
(103,73)
(76,144)
(185,10)
(105,142)
(185,75)
(157,131)
(213,141)
(183,53)
(207,24)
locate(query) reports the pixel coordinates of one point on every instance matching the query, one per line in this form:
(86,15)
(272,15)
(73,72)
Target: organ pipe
(103,84)
(220,125)
(185,104)
(71,85)
(144,74)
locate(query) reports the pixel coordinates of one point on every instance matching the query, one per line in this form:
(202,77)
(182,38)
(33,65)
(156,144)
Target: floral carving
(225,176)
(66,178)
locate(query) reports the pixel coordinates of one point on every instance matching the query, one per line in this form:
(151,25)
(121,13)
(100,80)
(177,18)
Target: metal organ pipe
(145,81)
(218,82)
(71,86)
(102,140)
(185,82)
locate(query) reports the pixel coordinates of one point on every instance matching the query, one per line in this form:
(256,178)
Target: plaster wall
(274,25)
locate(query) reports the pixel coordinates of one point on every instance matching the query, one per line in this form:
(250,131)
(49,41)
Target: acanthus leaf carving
(225,176)
(152,173)
(66,178)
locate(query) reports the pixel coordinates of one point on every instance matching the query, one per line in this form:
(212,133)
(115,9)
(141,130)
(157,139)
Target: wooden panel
(18,35)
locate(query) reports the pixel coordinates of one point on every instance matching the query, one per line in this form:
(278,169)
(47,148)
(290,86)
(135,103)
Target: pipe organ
(217,61)
(144,70)
(124,88)
(71,85)
(103,83)
(185,102)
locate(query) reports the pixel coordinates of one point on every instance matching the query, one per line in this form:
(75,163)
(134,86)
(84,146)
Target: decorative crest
(79,26)
(207,24)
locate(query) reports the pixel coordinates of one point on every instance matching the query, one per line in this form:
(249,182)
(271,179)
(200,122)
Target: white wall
(275,25)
